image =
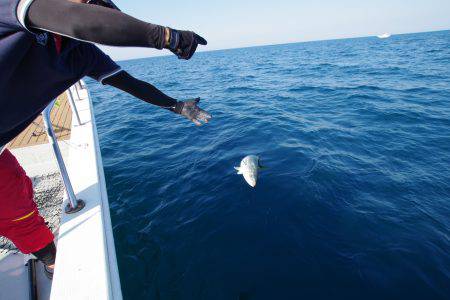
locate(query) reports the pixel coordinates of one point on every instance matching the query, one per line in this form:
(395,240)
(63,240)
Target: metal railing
(74,205)
(73,106)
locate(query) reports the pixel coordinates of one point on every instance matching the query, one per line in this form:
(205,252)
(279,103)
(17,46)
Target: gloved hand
(190,110)
(184,43)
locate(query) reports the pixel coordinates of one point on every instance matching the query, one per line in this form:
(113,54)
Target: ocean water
(355,200)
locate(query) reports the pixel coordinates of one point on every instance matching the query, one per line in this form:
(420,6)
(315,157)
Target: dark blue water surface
(355,203)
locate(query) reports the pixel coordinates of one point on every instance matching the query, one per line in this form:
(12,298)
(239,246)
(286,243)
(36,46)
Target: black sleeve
(141,89)
(94,24)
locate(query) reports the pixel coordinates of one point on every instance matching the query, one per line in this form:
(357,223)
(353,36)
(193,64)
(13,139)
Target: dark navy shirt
(32,73)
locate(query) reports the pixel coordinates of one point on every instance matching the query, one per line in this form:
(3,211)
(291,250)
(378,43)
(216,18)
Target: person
(45,47)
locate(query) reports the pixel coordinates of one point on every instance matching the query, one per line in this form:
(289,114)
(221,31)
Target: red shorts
(19,217)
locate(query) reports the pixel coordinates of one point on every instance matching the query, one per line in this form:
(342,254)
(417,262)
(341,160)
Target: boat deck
(35,134)
(92,268)
(48,187)
(49,193)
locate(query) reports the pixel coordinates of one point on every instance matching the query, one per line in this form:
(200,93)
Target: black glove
(190,110)
(184,43)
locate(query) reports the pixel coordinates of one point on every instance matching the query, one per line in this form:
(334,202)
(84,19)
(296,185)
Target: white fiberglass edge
(86,266)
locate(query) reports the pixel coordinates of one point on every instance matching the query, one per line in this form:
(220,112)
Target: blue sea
(355,200)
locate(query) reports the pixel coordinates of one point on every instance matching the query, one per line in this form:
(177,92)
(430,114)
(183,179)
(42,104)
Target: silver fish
(249,168)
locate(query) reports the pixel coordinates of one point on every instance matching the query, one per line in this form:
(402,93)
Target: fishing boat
(60,152)
(384,36)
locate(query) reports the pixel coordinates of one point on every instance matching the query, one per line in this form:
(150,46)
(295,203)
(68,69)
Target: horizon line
(281,44)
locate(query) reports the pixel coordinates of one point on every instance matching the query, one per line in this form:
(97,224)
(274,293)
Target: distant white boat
(384,36)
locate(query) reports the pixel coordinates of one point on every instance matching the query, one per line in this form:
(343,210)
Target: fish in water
(249,168)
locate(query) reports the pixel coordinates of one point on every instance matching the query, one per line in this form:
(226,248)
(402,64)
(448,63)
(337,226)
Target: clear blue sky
(234,23)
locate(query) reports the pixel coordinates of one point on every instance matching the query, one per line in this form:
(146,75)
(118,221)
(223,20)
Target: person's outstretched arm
(97,24)
(150,94)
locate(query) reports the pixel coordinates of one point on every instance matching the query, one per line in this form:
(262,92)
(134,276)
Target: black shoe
(48,272)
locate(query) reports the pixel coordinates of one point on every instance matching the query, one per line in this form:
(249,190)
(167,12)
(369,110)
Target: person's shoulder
(13,14)
(88,46)
(88,49)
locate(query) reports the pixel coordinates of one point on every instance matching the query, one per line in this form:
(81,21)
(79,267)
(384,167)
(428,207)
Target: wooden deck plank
(67,122)
(22,137)
(38,135)
(35,134)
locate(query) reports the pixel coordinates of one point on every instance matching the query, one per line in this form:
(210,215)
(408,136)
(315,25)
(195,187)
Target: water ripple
(354,202)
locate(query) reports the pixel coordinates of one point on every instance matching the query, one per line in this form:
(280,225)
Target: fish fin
(239,170)
(261,167)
